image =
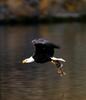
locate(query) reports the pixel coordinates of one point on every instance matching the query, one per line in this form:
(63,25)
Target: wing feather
(43,47)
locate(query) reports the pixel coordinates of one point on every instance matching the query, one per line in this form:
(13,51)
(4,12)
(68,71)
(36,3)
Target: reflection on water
(41,82)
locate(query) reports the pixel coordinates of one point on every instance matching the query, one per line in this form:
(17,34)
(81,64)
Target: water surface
(40,81)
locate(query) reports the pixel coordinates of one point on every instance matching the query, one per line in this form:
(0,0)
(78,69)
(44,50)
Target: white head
(28,60)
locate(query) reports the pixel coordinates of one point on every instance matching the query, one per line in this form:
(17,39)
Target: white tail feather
(60,59)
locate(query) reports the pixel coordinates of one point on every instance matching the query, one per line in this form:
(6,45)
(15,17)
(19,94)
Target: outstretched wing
(41,41)
(44,48)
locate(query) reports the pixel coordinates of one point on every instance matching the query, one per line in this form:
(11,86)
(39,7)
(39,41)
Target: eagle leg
(59,66)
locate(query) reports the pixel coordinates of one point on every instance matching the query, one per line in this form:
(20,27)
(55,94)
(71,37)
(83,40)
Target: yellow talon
(60,71)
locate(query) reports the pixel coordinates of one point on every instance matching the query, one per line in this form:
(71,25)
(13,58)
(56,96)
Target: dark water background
(40,81)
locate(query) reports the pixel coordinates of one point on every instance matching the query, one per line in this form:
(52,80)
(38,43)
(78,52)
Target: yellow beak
(24,61)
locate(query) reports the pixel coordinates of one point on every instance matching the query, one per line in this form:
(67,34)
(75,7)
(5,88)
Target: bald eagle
(44,52)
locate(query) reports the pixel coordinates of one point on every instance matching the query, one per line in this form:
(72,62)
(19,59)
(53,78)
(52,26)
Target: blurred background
(42,8)
(40,81)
